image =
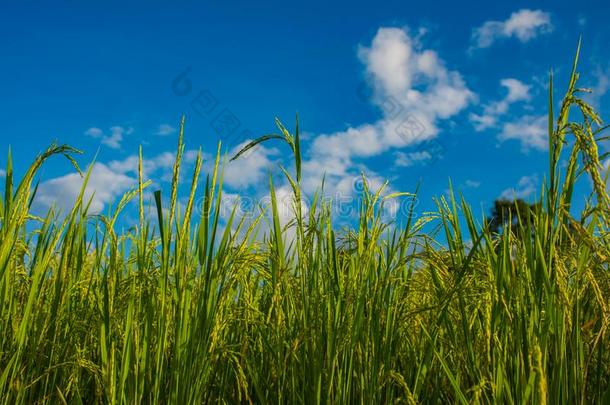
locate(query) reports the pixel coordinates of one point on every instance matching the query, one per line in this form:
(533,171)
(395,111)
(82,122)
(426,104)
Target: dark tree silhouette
(505,214)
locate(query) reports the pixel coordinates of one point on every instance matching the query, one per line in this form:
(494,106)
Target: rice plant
(192,307)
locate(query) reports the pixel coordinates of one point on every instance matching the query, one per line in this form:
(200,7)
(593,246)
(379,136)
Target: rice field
(189,307)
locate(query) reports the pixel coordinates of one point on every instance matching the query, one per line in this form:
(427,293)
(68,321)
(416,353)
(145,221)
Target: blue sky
(411,92)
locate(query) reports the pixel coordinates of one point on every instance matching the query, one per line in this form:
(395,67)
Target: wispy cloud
(113,139)
(472,183)
(2,173)
(94,132)
(165,130)
(523,25)
(412,158)
(600,86)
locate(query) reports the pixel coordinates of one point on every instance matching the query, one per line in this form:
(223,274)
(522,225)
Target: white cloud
(413,78)
(516,91)
(2,173)
(414,91)
(165,130)
(105,185)
(530,130)
(108,181)
(251,168)
(113,139)
(159,167)
(524,25)
(164,160)
(526,187)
